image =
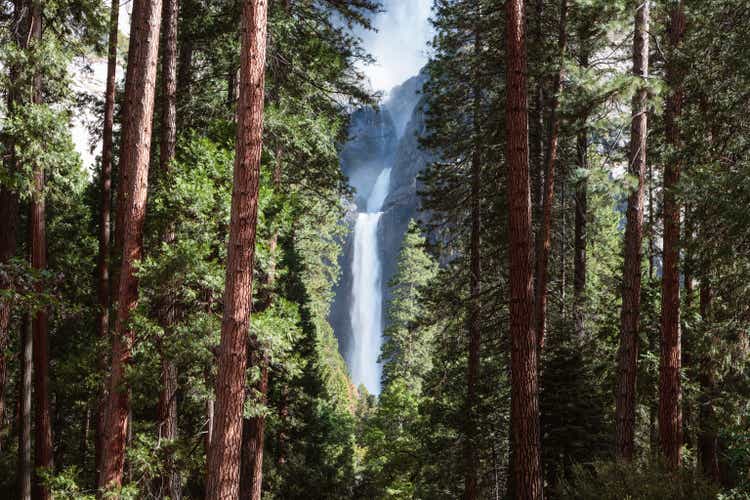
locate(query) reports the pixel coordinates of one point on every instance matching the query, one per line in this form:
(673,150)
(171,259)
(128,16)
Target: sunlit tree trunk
(524,383)
(631,283)
(140,82)
(224,457)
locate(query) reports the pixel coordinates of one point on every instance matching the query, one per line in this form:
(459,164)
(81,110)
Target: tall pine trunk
(140,83)
(103,281)
(631,282)
(167,408)
(224,457)
(544,238)
(39,325)
(253,432)
(670,394)
(524,383)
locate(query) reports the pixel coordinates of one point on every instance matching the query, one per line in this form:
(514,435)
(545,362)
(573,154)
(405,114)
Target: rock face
(379,139)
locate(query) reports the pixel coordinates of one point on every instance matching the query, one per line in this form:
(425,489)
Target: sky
(400,44)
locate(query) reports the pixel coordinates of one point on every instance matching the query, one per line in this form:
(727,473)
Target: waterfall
(366,313)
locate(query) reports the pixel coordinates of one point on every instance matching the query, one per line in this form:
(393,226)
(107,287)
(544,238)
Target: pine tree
(524,398)
(670,393)
(224,457)
(140,82)
(631,287)
(105,216)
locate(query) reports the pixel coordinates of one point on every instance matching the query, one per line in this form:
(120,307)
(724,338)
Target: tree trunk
(544,237)
(105,215)
(524,383)
(670,394)
(140,82)
(24,421)
(631,286)
(581,206)
(224,457)
(170,480)
(471,460)
(253,431)
(39,325)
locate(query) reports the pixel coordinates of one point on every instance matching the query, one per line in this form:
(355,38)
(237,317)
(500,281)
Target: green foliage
(391,432)
(636,481)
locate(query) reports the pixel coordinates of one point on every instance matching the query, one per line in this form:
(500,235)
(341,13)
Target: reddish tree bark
(544,238)
(253,437)
(167,408)
(224,457)
(140,80)
(103,287)
(524,384)
(631,286)
(39,325)
(24,414)
(670,393)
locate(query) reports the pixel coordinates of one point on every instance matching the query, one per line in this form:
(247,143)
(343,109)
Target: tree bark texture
(103,286)
(670,394)
(25,465)
(140,82)
(631,285)
(524,383)
(39,326)
(224,457)
(170,480)
(253,431)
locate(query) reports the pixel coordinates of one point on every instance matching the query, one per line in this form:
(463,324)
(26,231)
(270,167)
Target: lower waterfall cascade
(366,313)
